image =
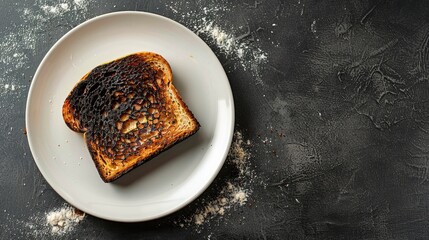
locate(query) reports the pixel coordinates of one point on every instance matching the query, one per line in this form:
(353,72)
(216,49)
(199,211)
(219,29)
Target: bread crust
(176,122)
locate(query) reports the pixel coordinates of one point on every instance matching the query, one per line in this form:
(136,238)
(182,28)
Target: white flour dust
(313,27)
(237,44)
(232,46)
(64,220)
(56,223)
(234,194)
(19,42)
(230,196)
(56,9)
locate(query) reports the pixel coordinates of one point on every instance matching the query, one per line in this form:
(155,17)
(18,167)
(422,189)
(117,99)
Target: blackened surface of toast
(119,93)
(129,111)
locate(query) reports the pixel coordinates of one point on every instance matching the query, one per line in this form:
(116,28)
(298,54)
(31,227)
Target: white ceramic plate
(169,181)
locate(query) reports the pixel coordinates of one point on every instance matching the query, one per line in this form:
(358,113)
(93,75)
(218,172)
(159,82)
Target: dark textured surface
(98,105)
(342,100)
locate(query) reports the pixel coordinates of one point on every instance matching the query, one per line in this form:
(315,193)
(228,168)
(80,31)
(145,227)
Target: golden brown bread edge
(118,168)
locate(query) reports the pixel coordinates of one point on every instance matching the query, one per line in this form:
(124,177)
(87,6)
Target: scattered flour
(19,42)
(64,220)
(80,3)
(55,224)
(313,26)
(232,47)
(236,191)
(56,9)
(238,44)
(238,154)
(230,196)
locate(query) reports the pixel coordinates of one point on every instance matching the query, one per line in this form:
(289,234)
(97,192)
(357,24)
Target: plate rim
(62,192)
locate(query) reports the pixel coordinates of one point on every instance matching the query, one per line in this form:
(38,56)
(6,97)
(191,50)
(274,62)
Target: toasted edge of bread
(111,169)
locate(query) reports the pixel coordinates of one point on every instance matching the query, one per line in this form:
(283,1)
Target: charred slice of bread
(129,112)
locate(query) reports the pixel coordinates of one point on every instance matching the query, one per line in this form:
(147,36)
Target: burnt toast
(128,111)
